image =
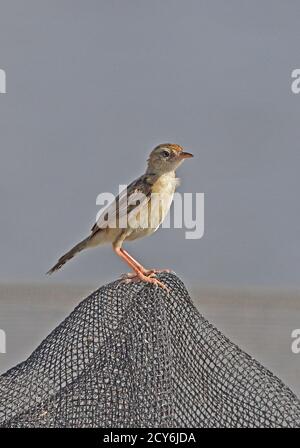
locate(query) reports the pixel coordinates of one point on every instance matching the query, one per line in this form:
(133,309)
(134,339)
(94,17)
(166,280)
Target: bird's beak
(185,155)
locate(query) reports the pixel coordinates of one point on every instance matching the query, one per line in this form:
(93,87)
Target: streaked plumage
(159,179)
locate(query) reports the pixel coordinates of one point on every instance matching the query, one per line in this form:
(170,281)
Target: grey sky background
(92,86)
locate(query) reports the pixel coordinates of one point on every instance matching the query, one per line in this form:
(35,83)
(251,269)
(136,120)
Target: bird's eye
(166,153)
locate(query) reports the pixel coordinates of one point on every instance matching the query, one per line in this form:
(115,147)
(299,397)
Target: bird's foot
(133,277)
(129,276)
(147,272)
(155,271)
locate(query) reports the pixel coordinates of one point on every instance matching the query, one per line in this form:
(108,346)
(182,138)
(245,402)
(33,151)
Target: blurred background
(92,86)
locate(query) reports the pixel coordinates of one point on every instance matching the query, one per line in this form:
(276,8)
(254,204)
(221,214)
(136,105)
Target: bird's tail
(66,257)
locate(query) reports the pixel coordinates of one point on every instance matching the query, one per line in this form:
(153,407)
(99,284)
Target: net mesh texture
(132,355)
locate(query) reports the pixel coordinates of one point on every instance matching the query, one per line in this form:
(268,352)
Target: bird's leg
(148,272)
(136,263)
(138,273)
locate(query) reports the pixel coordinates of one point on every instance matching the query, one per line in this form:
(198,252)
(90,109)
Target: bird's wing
(129,201)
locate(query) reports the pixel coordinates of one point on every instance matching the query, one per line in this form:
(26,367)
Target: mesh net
(133,356)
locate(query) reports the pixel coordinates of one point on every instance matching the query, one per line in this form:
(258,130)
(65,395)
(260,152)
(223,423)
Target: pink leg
(139,275)
(140,267)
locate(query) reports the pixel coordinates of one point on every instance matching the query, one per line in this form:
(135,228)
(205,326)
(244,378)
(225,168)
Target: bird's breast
(161,198)
(166,183)
(155,210)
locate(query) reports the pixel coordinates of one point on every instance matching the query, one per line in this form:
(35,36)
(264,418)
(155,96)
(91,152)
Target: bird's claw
(146,272)
(150,277)
(155,271)
(128,275)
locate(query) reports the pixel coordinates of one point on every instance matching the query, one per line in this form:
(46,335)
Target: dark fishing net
(133,356)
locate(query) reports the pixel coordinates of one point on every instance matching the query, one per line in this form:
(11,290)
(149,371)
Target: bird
(136,212)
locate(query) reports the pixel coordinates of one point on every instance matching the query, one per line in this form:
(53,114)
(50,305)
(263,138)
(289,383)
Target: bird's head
(166,158)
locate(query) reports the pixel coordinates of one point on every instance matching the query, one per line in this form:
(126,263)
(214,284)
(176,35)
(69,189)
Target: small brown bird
(137,212)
